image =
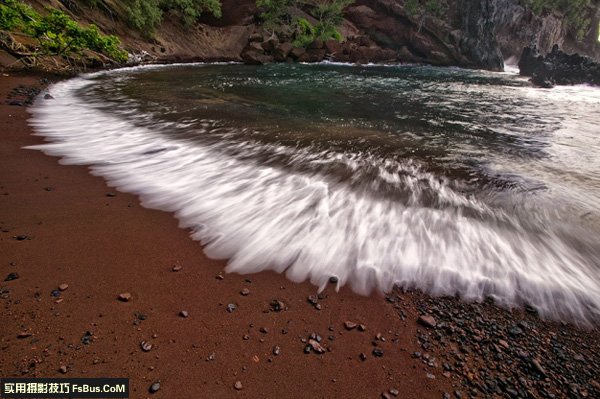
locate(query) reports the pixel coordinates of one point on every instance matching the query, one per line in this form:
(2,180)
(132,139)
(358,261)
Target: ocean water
(448,180)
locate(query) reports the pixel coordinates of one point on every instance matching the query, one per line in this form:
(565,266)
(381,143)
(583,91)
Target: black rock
(377,352)
(12,276)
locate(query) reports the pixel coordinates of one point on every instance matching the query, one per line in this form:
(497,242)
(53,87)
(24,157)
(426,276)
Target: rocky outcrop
(558,68)
(478,42)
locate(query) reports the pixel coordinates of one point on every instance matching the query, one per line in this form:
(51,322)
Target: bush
(57,33)
(145,16)
(575,11)
(190,10)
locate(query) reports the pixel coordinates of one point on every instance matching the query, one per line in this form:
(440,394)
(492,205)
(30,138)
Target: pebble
(63,369)
(12,276)
(350,325)
(246,337)
(21,238)
(276,350)
(184,313)
(154,387)
(245,292)
(362,357)
(125,297)
(111,195)
(427,321)
(316,346)
(177,268)
(277,306)
(231,307)
(377,352)
(333,280)
(24,334)
(238,385)
(146,346)
(63,287)
(394,392)
(264,330)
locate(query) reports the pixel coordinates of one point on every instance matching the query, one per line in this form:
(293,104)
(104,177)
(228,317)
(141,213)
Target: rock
(515,331)
(253,57)
(12,276)
(377,352)
(394,392)
(177,268)
(362,327)
(277,306)
(503,344)
(312,299)
(427,321)
(63,369)
(282,51)
(264,330)
(21,237)
(296,53)
(125,297)
(211,357)
(146,346)
(231,307)
(154,387)
(63,287)
(245,292)
(362,356)
(333,280)
(184,314)
(270,45)
(24,334)
(17,103)
(332,47)
(87,338)
(537,366)
(238,386)
(276,350)
(386,395)
(48,96)
(219,277)
(313,55)
(349,325)
(316,346)
(111,195)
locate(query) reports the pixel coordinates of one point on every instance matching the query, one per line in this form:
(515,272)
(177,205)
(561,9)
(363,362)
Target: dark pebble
(12,276)
(377,352)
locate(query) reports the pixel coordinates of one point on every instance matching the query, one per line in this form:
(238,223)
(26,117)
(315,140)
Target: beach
(102,287)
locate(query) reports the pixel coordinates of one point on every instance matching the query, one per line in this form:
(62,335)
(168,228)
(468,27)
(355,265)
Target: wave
(311,226)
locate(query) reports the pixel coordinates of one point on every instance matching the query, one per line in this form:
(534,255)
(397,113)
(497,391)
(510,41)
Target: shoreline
(102,243)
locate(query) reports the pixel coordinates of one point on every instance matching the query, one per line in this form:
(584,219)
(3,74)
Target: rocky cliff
(470,33)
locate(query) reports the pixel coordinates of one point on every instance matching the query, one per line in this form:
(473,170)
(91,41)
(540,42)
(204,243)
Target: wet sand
(102,245)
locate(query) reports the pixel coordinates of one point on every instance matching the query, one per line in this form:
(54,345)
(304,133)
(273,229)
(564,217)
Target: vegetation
(576,12)
(146,15)
(328,14)
(57,33)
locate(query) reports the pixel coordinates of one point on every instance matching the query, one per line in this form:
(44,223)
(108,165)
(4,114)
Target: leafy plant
(145,16)
(305,33)
(190,10)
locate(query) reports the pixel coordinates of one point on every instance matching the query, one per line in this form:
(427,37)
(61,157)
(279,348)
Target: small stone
(211,357)
(63,287)
(333,280)
(316,346)
(394,392)
(87,338)
(24,334)
(515,331)
(154,387)
(63,369)
(12,276)
(385,395)
(313,299)
(362,357)
(177,268)
(48,96)
(219,277)
(350,325)
(276,350)
(377,352)
(245,292)
(503,344)
(146,346)
(277,306)
(427,321)
(537,366)
(184,313)
(318,306)
(111,195)
(362,327)
(430,376)
(264,330)
(246,337)
(21,238)
(231,307)
(125,297)
(238,385)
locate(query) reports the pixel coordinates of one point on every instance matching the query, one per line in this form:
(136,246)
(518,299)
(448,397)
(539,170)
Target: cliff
(469,33)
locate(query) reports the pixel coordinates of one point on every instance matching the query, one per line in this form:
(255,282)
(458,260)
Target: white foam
(310,226)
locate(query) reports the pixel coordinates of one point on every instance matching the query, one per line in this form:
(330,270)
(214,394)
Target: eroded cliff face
(471,33)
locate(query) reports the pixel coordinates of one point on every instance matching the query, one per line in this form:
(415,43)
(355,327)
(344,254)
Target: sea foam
(311,226)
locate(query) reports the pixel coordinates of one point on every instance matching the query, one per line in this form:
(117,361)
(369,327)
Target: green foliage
(190,10)
(305,33)
(15,15)
(328,13)
(145,16)
(57,33)
(575,11)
